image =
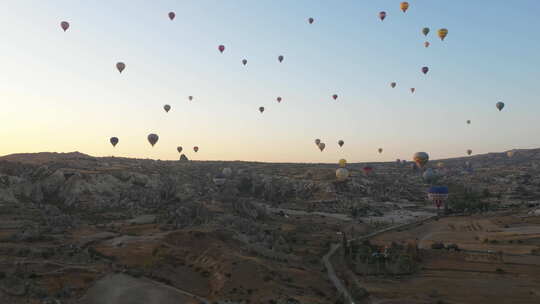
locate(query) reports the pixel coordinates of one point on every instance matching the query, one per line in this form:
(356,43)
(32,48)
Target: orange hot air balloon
(172,15)
(64,25)
(221,48)
(404,6)
(120,66)
(196,149)
(382,15)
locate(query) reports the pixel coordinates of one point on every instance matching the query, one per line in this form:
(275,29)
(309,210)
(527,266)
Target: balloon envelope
(179,149)
(426,44)
(114,141)
(335,96)
(382,15)
(425,31)
(342,163)
(64,25)
(425,70)
(421,158)
(172,15)
(442,33)
(221,48)
(393,84)
(196,149)
(413,90)
(190,98)
(341,142)
(278,99)
(404,6)
(500,105)
(317,141)
(167,108)
(244,61)
(261,109)
(321,146)
(152,138)
(280,58)
(380,150)
(310,20)
(469,152)
(120,66)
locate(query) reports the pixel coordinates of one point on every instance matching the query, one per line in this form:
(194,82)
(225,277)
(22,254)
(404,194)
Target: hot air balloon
(167,108)
(393,84)
(425,31)
(342,163)
(469,152)
(179,149)
(367,170)
(114,141)
(340,143)
(278,99)
(468,122)
(219,179)
(227,172)
(426,44)
(335,96)
(153,138)
(196,149)
(438,195)
(440,165)
(172,15)
(120,66)
(64,25)
(280,58)
(442,33)
(321,146)
(317,141)
(510,154)
(500,105)
(380,150)
(261,109)
(429,175)
(190,98)
(413,90)
(221,48)
(398,161)
(421,158)
(425,70)
(310,20)
(382,15)
(244,61)
(404,6)
(342,174)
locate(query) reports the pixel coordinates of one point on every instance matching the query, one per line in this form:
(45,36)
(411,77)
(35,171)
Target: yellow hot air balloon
(404,6)
(342,163)
(442,33)
(342,174)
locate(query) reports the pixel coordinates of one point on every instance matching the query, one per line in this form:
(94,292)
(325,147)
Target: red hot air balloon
(335,96)
(278,99)
(310,20)
(244,61)
(280,58)
(425,70)
(221,48)
(196,149)
(172,15)
(382,15)
(64,25)
(120,66)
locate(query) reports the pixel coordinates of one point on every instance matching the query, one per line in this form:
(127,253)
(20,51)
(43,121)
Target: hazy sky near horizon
(60,91)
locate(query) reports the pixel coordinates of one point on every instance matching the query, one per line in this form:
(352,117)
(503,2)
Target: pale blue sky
(61,91)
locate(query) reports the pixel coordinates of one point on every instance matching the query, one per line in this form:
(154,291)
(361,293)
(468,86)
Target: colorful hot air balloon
(382,15)
(261,109)
(280,58)
(335,96)
(393,84)
(221,48)
(278,99)
(196,149)
(425,31)
(342,174)
(179,149)
(404,6)
(152,138)
(380,150)
(167,108)
(469,152)
(342,163)
(190,98)
(426,44)
(172,15)
(114,141)
(317,142)
(120,66)
(321,146)
(500,105)
(64,25)
(425,70)
(340,143)
(421,158)
(442,33)
(244,61)
(310,20)
(413,90)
